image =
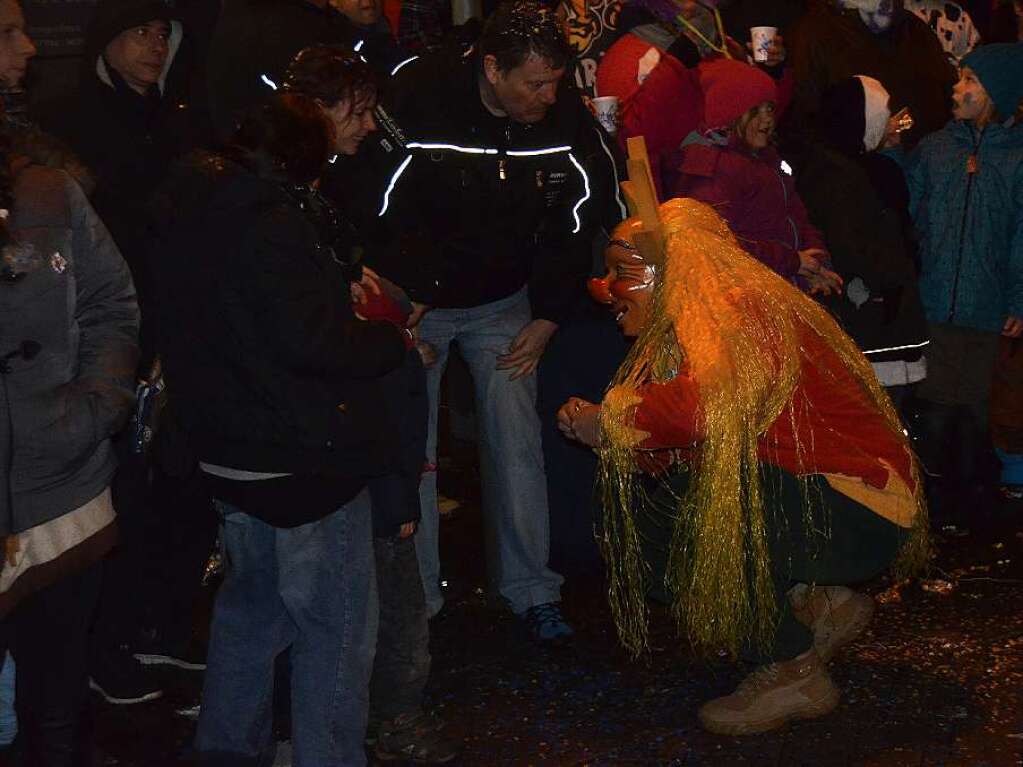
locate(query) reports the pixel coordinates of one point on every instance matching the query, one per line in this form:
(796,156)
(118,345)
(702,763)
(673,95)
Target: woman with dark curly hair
(277,385)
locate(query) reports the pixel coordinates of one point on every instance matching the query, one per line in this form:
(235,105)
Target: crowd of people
(241,247)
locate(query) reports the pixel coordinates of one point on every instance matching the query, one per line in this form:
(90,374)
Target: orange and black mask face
(627,274)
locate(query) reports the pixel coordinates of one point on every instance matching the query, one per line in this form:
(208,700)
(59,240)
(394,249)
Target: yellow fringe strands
(733,326)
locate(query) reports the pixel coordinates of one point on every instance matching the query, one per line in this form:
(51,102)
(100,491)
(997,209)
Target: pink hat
(730,89)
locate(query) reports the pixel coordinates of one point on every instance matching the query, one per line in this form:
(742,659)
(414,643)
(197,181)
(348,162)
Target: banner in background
(58,26)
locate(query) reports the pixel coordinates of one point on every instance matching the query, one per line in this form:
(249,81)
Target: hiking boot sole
(124,701)
(854,616)
(811,710)
(155,659)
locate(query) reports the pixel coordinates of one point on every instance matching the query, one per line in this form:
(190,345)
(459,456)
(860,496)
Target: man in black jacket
(130,116)
(494,180)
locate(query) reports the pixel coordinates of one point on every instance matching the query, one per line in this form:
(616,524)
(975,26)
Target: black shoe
(419,738)
(191,657)
(122,680)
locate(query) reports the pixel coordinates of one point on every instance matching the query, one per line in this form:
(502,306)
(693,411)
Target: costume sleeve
(108,317)
(667,413)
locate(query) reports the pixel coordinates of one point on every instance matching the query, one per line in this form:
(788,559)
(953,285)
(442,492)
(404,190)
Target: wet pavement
(937,679)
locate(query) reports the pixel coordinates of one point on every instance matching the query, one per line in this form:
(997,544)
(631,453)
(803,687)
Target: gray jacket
(68,345)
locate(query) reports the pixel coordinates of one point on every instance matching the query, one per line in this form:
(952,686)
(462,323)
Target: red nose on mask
(599,291)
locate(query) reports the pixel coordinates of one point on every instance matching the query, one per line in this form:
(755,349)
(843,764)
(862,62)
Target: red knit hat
(732,88)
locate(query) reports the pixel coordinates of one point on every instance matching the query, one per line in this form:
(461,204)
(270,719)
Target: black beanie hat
(112,17)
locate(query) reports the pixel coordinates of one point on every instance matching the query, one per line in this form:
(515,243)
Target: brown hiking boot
(836,614)
(773,695)
(419,738)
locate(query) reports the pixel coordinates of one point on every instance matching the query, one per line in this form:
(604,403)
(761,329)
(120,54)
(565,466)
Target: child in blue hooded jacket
(966,183)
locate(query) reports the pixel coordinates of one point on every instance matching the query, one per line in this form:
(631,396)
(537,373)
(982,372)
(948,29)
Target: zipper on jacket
(971,171)
(785,197)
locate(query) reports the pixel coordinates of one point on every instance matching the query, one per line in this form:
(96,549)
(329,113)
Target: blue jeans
(312,589)
(8,719)
(511,458)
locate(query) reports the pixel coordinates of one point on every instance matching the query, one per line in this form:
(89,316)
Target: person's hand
(892,134)
(810,261)
(821,280)
(825,282)
(1013,327)
(406,529)
(580,420)
(427,351)
(525,351)
(775,53)
(418,310)
(370,282)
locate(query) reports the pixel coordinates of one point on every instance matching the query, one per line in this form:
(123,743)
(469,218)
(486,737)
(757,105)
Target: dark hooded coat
(125,139)
(860,203)
(830,44)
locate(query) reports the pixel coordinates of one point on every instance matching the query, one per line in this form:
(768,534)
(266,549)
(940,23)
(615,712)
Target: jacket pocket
(64,439)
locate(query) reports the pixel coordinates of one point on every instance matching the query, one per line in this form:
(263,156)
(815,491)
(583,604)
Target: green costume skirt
(845,543)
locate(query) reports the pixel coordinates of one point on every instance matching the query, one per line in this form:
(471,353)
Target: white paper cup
(606,110)
(762,38)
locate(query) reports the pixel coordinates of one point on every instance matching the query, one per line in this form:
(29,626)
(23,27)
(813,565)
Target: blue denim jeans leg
(312,589)
(511,457)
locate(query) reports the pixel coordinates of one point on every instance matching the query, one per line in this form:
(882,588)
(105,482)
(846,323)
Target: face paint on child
(970,100)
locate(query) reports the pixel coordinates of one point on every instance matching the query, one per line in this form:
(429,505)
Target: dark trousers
(48,637)
(402,663)
(152,580)
(580,361)
(846,543)
(951,415)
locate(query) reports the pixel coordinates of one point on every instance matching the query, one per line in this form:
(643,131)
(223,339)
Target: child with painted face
(966,183)
(732,165)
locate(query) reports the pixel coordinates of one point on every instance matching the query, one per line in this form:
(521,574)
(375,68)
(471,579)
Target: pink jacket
(756,197)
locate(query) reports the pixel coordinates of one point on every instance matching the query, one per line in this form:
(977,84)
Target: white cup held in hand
(605,108)
(762,37)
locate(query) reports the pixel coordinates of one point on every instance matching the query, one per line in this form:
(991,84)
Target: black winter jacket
(128,140)
(830,44)
(855,202)
(272,371)
(465,208)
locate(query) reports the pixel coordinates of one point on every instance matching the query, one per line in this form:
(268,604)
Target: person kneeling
(778,470)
